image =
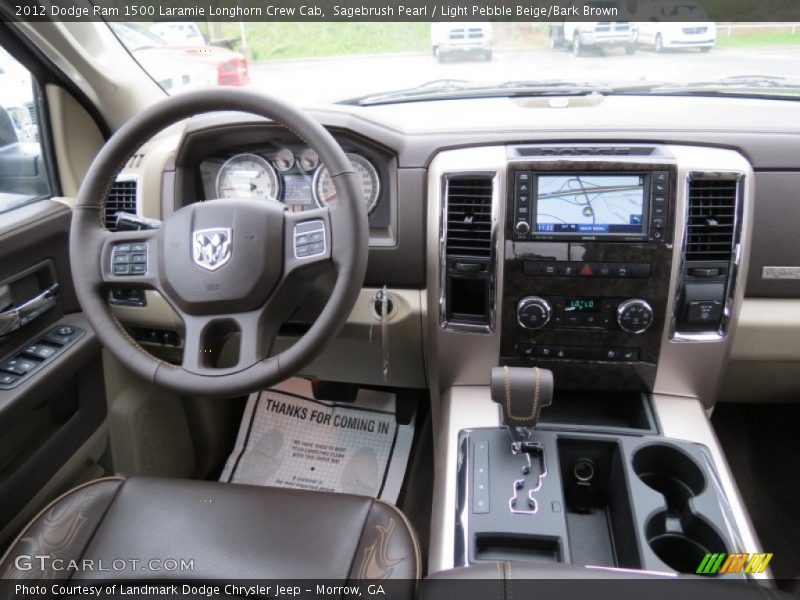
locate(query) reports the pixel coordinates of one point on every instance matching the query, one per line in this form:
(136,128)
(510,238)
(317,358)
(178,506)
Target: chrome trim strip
(780,273)
(445,196)
(733,269)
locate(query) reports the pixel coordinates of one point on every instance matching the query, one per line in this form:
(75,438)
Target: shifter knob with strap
(521,393)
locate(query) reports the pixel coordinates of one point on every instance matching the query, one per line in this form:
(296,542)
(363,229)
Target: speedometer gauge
(369,182)
(247,176)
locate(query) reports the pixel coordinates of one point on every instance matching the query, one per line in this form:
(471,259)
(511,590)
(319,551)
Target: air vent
(122,198)
(712,218)
(469,217)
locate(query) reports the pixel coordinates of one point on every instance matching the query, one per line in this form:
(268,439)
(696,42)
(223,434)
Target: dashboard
(600,226)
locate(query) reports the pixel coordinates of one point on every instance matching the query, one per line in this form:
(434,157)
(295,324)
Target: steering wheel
(227,266)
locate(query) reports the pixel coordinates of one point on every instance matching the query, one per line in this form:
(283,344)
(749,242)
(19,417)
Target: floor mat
(762,446)
(289,439)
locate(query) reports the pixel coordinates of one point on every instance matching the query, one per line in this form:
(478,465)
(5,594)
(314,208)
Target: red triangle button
(586,270)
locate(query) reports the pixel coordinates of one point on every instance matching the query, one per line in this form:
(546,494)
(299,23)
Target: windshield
(672,48)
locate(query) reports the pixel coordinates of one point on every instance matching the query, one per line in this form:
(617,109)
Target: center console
(618,501)
(587,275)
(614,270)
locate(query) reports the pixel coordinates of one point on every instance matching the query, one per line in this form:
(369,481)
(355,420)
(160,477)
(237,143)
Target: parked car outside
(461,39)
(581,36)
(179,34)
(662,31)
(183,66)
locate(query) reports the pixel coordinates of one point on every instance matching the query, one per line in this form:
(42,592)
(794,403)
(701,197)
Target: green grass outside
(269,41)
(757,37)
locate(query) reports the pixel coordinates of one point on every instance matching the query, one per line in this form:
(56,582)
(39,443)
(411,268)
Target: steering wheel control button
(309,239)
(129,259)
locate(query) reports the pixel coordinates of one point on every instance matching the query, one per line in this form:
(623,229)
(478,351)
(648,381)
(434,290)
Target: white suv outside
(662,31)
(580,36)
(461,39)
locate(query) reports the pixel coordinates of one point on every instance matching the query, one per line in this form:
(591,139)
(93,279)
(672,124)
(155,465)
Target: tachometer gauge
(283,159)
(324,192)
(247,176)
(308,160)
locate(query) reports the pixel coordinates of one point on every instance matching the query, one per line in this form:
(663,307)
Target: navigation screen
(590,204)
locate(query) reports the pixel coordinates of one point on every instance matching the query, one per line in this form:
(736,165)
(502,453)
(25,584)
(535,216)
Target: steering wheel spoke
(222,344)
(130,258)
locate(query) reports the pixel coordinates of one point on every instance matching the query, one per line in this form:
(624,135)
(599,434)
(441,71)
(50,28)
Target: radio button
(569,270)
(522,228)
(532,268)
(550,269)
(590,320)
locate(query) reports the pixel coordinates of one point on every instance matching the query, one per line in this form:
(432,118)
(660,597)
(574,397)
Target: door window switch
(7,378)
(18,366)
(41,351)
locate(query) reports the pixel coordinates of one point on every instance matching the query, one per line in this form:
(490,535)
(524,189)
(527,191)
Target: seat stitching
(50,505)
(102,518)
(411,533)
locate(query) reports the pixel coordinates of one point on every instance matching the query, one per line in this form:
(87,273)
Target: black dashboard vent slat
(122,198)
(712,219)
(469,217)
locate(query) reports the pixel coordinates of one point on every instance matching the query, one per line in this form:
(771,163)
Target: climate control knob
(533,312)
(635,315)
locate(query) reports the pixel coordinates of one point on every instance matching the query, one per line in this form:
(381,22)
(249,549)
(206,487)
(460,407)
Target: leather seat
(226,531)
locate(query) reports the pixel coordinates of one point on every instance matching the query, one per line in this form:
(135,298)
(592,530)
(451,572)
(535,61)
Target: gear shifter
(521,394)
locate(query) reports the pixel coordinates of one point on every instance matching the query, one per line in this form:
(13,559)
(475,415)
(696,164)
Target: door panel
(48,414)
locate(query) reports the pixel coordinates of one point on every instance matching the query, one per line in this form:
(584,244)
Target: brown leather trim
(49,506)
(411,533)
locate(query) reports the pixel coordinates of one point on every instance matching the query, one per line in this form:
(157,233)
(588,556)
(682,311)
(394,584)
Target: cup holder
(670,472)
(678,536)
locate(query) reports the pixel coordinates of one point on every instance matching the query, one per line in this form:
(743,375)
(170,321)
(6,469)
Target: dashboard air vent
(712,216)
(469,217)
(122,198)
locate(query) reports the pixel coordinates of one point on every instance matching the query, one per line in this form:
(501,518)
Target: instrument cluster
(291,174)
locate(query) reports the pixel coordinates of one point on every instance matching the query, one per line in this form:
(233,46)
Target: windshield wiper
(448,89)
(736,84)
